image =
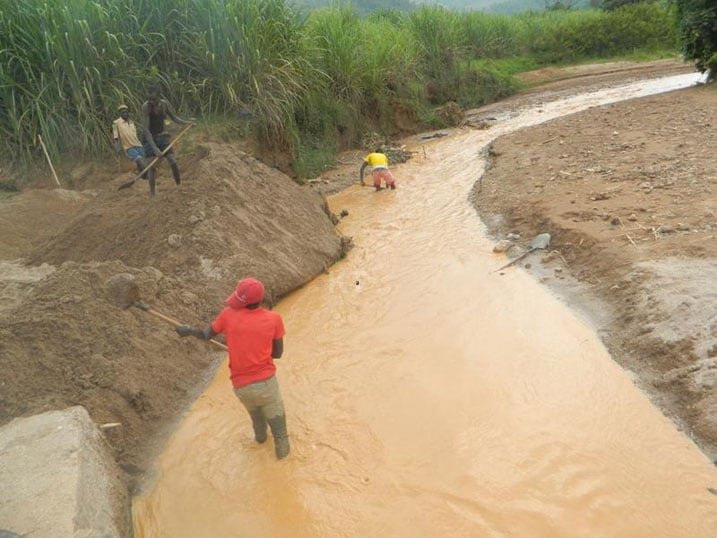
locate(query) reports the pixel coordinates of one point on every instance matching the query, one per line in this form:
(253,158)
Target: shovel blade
(540,241)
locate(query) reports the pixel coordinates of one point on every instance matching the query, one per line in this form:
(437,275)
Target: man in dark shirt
(156,139)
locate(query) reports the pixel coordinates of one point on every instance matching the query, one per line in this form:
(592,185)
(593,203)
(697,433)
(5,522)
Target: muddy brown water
(428,396)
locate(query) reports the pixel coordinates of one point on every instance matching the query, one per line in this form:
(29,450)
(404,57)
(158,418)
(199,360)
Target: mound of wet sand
(231,216)
(64,340)
(627,193)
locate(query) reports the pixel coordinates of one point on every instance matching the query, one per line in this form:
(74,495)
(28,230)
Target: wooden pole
(49,161)
(173,321)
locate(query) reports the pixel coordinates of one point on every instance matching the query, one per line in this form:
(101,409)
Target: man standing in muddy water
(124,137)
(255,337)
(379,163)
(154,114)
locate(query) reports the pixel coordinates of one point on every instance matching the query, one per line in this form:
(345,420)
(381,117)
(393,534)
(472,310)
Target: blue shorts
(135,152)
(162,141)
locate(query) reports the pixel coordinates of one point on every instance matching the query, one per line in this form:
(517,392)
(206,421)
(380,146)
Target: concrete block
(58,479)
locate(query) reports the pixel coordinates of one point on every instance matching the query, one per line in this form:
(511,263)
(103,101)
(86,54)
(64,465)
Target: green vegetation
(307,84)
(7,187)
(609,5)
(314,158)
(698,32)
(506,7)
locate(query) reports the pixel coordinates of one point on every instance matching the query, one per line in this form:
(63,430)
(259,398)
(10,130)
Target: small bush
(8,186)
(312,159)
(698,33)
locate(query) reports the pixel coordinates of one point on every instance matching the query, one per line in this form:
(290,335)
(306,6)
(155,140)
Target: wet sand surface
(428,395)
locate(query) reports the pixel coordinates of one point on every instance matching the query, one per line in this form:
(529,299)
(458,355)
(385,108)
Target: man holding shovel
(124,137)
(154,114)
(255,337)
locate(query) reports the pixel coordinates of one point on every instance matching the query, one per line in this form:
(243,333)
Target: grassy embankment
(304,84)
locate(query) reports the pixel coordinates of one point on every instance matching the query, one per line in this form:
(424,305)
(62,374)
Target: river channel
(428,396)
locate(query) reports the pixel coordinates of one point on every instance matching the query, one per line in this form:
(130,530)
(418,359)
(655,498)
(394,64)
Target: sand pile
(231,216)
(67,343)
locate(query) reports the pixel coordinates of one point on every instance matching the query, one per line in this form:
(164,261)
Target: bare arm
(145,129)
(363,167)
(277,348)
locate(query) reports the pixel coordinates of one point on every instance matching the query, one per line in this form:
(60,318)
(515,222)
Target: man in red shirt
(254,338)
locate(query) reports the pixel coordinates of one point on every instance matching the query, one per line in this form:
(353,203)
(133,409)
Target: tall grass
(493,36)
(60,70)
(567,35)
(369,69)
(441,42)
(561,36)
(306,82)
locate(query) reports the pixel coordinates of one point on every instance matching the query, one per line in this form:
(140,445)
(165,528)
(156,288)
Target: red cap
(249,291)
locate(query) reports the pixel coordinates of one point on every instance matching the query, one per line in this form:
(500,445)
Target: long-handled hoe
(539,242)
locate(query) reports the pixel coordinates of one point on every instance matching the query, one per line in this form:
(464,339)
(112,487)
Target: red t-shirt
(250,334)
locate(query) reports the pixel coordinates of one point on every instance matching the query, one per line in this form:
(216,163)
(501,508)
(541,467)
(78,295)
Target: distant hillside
(511,6)
(482,5)
(362,7)
(365,7)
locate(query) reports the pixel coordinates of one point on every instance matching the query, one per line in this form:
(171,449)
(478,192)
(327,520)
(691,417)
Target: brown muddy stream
(427,396)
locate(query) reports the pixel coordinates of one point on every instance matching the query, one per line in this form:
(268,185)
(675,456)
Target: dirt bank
(627,192)
(64,340)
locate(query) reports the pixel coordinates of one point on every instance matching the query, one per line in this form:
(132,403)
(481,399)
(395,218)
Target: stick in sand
(47,156)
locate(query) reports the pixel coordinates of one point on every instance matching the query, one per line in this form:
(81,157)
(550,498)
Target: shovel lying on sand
(539,242)
(125,292)
(131,182)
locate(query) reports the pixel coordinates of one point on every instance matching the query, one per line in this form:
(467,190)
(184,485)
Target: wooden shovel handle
(515,260)
(156,159)
(174,322)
